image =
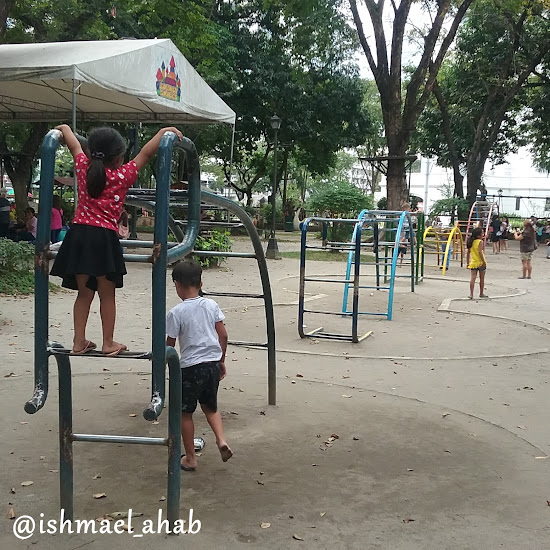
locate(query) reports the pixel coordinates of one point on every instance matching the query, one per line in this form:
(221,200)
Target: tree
(292,59)
(186,23)
(340,199)
(375,143)
(537,119)
(400,114)
(481,92)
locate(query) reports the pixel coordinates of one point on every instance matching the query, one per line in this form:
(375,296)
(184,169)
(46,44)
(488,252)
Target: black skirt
(92,251)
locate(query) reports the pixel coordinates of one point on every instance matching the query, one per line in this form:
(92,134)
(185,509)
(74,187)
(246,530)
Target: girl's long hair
(105,144)
(476,234)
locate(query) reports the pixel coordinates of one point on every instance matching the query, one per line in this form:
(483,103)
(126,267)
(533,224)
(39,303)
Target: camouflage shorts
(200,383)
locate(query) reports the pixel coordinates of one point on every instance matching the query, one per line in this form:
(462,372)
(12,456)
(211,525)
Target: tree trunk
(5,7)
(398,192)
(473,178)
(19,168)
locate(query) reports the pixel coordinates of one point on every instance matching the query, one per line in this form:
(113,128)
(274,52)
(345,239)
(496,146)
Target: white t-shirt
(193,323)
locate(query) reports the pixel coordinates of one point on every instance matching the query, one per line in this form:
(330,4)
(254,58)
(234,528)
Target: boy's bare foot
(225,452)
(187,466)
(114,349)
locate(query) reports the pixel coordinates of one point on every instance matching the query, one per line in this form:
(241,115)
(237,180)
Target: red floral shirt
(105,210)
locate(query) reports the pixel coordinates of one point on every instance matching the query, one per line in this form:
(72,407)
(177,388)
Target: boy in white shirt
(197,323)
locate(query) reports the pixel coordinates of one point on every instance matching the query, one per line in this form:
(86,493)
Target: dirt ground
(441,418)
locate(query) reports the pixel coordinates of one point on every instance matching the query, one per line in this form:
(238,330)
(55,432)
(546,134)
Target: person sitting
(28,233)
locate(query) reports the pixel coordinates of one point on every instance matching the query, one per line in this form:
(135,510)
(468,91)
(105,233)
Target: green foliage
(452,206)
(485,88)
(16,267)
(267,210)
(216,241)
(382,204)
(340,199)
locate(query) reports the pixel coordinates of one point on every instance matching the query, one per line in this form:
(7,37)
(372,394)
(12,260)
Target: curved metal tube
(194,202)
(41,273)
(236,209)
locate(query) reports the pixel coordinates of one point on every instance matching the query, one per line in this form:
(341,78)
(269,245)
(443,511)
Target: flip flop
(225,452)
(90,346)
(122,347)
(186,468)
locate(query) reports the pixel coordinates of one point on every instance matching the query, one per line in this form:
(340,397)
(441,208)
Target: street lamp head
(275,122)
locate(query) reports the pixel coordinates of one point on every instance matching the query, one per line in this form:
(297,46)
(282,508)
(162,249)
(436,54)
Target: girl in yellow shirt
(476,261)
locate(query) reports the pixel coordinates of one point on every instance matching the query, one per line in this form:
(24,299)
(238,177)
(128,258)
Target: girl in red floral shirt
(90,258)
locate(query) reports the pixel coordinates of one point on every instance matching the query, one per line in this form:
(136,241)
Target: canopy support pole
(231,160)
(74,130)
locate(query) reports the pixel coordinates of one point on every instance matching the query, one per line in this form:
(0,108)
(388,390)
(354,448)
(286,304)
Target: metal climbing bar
(480,215)
(160,355)
(354,314)
(377,221)
(142,198)
(446,244)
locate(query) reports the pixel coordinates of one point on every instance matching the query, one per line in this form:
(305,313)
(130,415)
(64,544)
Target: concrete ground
(432,433)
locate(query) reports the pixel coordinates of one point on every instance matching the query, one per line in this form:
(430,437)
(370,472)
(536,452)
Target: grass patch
(325,256)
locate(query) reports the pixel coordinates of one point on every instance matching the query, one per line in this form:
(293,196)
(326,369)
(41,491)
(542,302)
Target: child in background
(197,323)
(402,249)
(57,219)
(90,258)
(476,261)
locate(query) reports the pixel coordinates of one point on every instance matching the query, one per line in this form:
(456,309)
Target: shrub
(341,199)
(217,241)
(16,267)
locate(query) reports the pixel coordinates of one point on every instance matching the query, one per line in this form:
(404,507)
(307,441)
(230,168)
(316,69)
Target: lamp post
(272,251)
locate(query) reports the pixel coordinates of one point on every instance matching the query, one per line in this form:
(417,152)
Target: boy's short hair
(187,273)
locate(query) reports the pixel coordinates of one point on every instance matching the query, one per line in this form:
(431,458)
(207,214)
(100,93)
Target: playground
(427,434)
(369,404)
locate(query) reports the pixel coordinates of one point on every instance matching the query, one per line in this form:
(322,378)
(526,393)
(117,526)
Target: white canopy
(115,80)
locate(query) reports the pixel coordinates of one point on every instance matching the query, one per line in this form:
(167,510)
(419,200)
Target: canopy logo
(168,82)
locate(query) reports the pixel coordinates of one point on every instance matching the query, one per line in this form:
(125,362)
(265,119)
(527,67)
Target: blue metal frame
(374,217)
(319,333)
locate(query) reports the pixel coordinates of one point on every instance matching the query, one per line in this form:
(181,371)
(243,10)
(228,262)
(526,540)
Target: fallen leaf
(11,374)
(335,436)
(322,514)
(102,387)
(345,376)
(410,470)
(26,483)
(444,415)
(447,451)
(522,427)
(116,383)
(97,476)
(297,537)
(23,422)
(265,525)
(347,396)
(12,490)
(133,415)
(11,514)
(42,457)
(54,471)
(293,382)
(260,482)
(99,495)
(299,376)
(162,498)
(408,520)
(155,422)
(355,438)
(123,515)
(106,370)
